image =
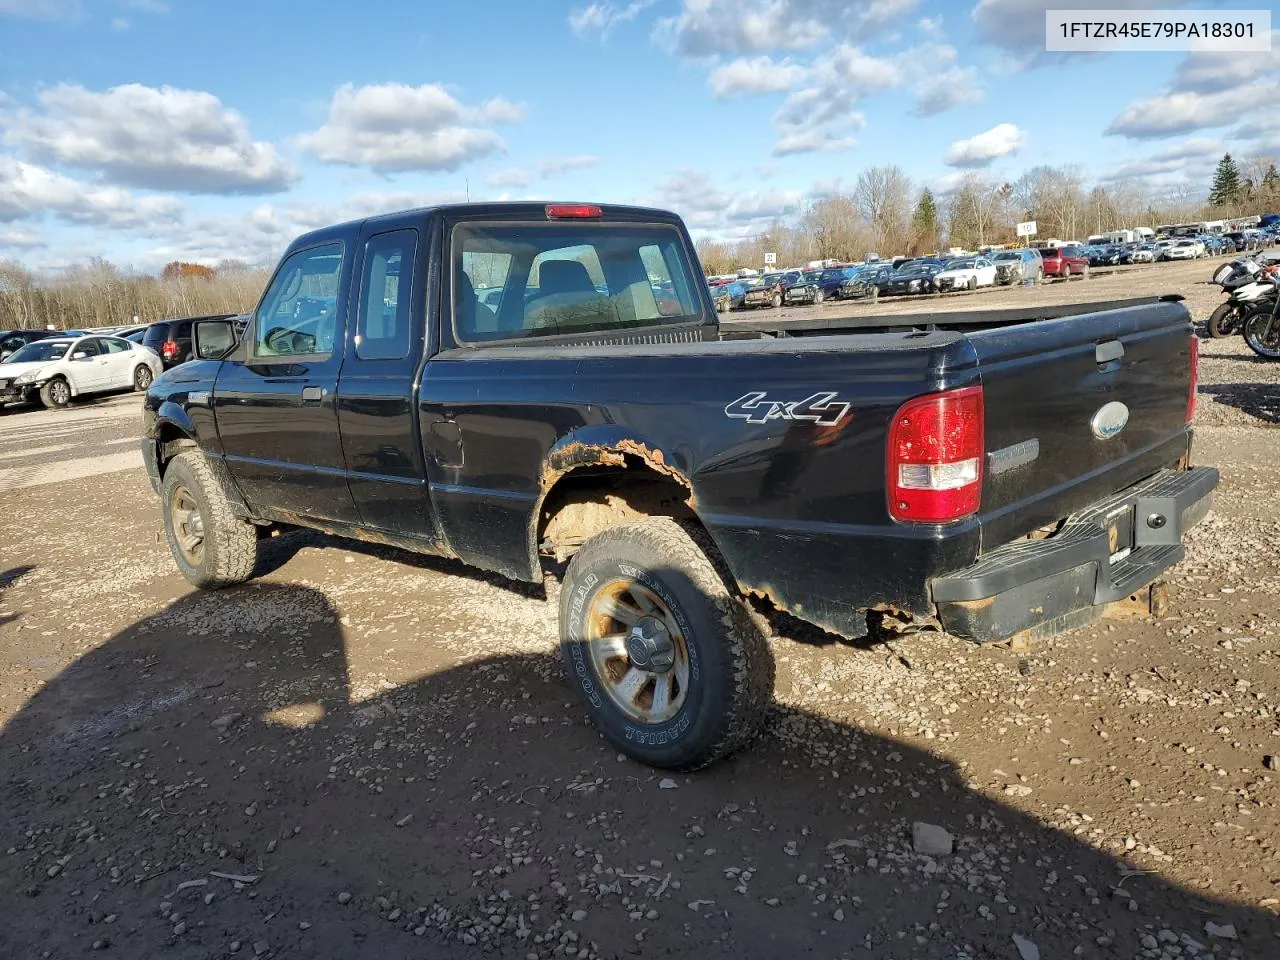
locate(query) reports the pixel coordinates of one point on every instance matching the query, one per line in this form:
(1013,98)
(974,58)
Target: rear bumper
(1066,580)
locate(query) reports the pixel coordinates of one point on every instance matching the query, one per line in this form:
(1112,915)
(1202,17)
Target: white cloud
(705,206)
(708,27)
(1189,159)
(930,26)
(939,92)
(1205,72)
(21,240)
(261,234)
(42,9)
(1170,113)
(754,75)
(509,179)
(1017,26)
(394,127)
(812,141)
(554,166)
(27,191)
(68,9)
(160,138)
(597,19)
(821,115)
(119,25)
(986,147)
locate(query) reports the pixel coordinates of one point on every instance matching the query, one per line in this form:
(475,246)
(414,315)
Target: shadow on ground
(1260,400)
(472,813)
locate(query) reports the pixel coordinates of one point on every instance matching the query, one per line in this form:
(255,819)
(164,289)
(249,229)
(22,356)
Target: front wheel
(973,283)
(1262,333)
(819,297)
(142,378)
(1221,321)
(212,547)
(777,299)
(56,394)
(670,663)
(1084,274)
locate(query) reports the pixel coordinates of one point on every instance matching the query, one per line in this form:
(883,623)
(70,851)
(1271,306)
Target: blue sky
(149,130)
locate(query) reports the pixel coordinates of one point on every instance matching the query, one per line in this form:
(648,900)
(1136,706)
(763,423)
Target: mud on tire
(228,547)
(729,667)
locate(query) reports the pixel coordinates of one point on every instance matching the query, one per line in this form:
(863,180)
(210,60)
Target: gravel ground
(369,754)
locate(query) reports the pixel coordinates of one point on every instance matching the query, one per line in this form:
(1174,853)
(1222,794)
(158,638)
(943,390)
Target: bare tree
(882,196)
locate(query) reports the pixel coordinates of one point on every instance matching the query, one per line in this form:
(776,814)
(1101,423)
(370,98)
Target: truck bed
(947,318)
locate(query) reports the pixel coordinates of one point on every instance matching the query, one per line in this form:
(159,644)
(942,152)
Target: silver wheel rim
(59,392)
(142,379)
(639,652)
(188,524)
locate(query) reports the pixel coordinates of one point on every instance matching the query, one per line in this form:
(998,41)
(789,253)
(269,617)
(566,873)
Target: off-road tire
(230,544)
(56,394)
(1214,323)
(142,377)
(731,669)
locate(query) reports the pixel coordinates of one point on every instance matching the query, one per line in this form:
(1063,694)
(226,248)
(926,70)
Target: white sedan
(968,273)
(1184,250)
(59,368)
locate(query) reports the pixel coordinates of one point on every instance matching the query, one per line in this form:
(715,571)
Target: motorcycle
(1240,280)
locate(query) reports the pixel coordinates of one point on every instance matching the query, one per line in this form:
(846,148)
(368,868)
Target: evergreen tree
(1271,179)
(924,222)
(1227,185)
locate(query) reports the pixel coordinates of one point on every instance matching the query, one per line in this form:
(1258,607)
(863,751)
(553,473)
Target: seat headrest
(564,276)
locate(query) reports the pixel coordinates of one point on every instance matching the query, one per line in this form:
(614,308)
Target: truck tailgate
(1078,409)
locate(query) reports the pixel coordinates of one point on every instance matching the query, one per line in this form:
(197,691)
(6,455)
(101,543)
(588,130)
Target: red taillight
(169,350)
(573,211)
(1195,378)
(936,447)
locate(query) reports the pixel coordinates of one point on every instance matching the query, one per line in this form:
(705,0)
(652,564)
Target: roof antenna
(467,181)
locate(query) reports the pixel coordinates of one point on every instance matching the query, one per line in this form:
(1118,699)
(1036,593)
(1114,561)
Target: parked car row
(934,274)
(53,367)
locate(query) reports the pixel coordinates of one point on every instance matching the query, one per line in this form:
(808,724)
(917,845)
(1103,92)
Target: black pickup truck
(522,385)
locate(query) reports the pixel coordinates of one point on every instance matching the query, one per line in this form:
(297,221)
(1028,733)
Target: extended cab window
(530,279)
(382,328)
(298,315)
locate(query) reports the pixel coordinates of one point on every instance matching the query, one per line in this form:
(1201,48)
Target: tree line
(99,294)
(885,214)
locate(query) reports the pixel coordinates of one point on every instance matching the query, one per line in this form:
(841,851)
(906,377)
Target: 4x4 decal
(756,407)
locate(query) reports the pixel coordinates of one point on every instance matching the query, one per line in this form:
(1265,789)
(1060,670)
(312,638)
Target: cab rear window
(513,281)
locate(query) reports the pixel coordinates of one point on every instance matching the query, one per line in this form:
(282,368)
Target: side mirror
(213,339)
(79,356)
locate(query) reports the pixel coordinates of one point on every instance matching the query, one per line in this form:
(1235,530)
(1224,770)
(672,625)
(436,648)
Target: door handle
(313,394)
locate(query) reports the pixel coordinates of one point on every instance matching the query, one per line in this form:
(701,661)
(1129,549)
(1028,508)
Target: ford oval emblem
(1109,420)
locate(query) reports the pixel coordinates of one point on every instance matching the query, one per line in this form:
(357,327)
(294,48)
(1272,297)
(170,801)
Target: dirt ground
(365,753)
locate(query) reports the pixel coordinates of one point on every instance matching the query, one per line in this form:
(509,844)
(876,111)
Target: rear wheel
(1262,333)
(142,378)
(56,394)
(670,663)
(1084,273)
(212,546)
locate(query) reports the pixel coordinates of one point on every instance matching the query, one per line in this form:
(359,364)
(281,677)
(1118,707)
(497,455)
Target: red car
(1065,261)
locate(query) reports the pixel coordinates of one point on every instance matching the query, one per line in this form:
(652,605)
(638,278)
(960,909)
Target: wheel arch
(601,477)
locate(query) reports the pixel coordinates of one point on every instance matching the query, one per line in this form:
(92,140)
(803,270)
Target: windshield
(772,278)
(41,351)
(967,264)
(1008,255)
